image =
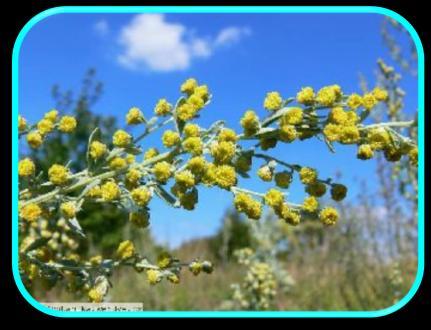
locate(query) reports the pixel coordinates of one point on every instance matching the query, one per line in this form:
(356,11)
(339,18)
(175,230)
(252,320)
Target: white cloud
(101,27)
(150,42)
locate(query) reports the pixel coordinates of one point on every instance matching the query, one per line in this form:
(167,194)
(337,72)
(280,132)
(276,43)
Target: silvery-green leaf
(37,244)
(134,150)
(167,197)
(75,227)
(274,117)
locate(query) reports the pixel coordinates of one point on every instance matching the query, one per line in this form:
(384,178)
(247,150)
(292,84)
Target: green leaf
(95,135)
(75,227)
(167,197)
(37,244)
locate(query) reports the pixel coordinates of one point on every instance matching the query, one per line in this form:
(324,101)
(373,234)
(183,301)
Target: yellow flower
(225,176)
(332,132)
(317,189)
(68,209)
(34,139)
(189,86)
(288,214)
(287,133)
(52,115)
(133,176)
(135,116)
(97,149)
(67,124)
(195,267)
(170,138)
(243,163)
(185,178)
(329,95)
(273,101)
(274,198)
(283,179)
(193,145)
(246,204)
(310,204)
(121,139)
(22,123)
(209,178)
(26,167)
(163,108)
(140,220)
(117,163)
(349,134)
(141,196)
(95,295)
(186,111)
(125,250)
(45,126)
(223,151)
(191,130)
(202,92)
(305,96)
(95,192)
(110,191)
(329,216)
(196,101)
(352,118)
(392,154)
(153,276)
(308,175)
(164,260)
(227,135)
(58,174)
(250,122)
(30,212)
(369,101)
(292,117)
(197,165)
(337,116)
(162,171)
(265,173)
(338,192)
(354,101)
(413,156)
(151,153)
(380,94)
(365,152)
(173,278)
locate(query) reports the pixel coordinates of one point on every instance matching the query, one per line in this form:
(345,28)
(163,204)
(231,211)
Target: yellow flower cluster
(26,167)
(250,123)
(329,95)
(126,250)
(163,108)
(246,204)
(121,139)
(117,163)
(193,145)
(273,101)
(68,209)
(305,96)
(185,179)
(197,97)
(110,191)
(141,196)
(135,116)
(140,220)
(30,212)
(67,124)
(97,149)
(223,151)
(170,138)
(58,174)
(292,117)
(328,216)
(162,171)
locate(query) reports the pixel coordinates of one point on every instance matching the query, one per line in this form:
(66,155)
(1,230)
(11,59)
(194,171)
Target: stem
(409,123)
(269,158)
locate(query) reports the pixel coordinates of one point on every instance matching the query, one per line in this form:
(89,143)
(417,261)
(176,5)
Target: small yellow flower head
(163,108)
(191,130)
(95,295)
(130,159)
(153,276)
(45,126)
(110,191)
(67,124)
(288,214)
(333,132)
(186,111)
(227,135)
(117,163)
(22,123)
(34,139)
(193,145)
(354,101)
(58,174)
(141,196)
(185,178)
(189,86)
(274,198)
(196,101)
(349,134)
(329,95)
(125,250)
(287,133)
(329,216)
(305,96)
(317,189)
(283,179)
(310,204)
(135,116)
(197,165)
(392,154)
(378,138)
(380,94)
(95,192)
(365,152)
(97,149)
(140,220)
(68,209)
(30,212)
(162,171)
(267,143)
(195,267)
(273,101)
(203,92)
(210,177)
(243,163)
(170,138)
(173,278)
(52,115)
(26,167)
(369,101)
(225,176)
(338,192)
(164,260)
(352,118)
(413,156)
(150,153)
(337,116)
(307,175)
(121,139)
(223,151)
(96,260)
(250,122)
(292,117)
(265,173)
(133,176)
(189,199)
(246,204)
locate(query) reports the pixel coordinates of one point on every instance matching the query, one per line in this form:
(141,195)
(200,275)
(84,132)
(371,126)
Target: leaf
(167,197)
(279,113)
(75,227)
(134,150)
(95,135)
(37,244)
(67,263)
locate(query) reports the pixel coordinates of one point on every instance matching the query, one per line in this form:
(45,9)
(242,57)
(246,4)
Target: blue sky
(241,57)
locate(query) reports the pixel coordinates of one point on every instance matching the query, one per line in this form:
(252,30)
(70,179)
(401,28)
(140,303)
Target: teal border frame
(221,10)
